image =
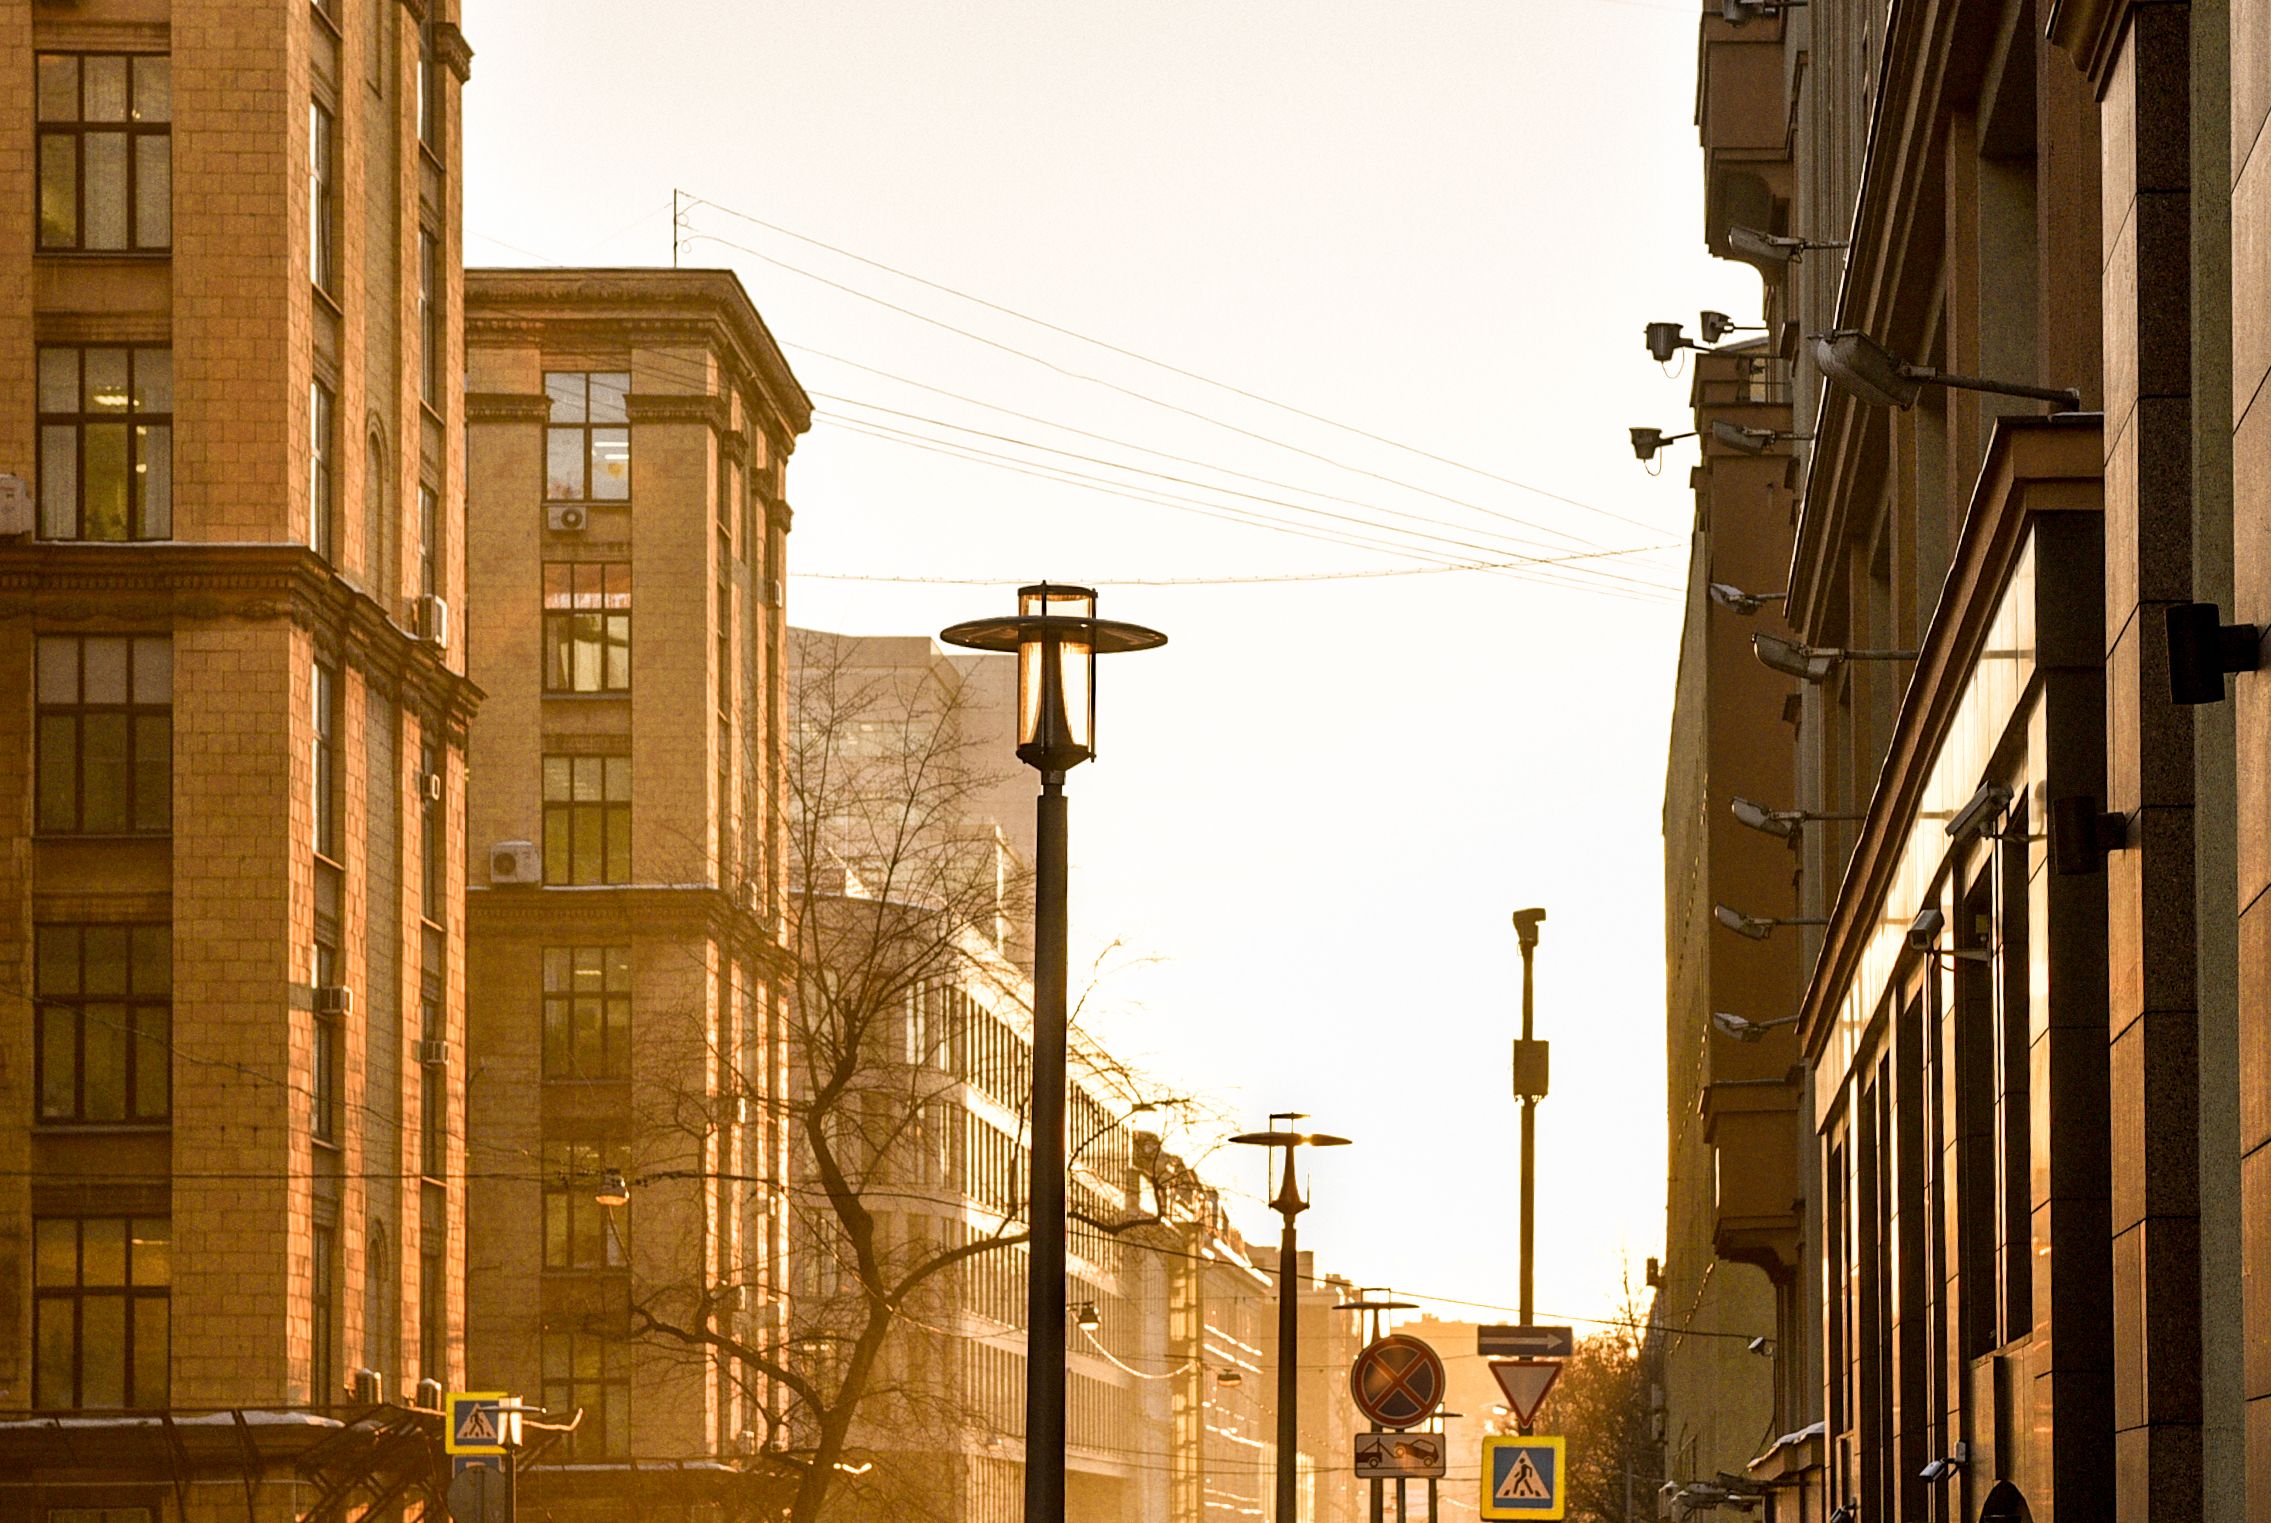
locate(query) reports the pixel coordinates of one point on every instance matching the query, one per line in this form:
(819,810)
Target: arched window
(382,1307)
(380,531)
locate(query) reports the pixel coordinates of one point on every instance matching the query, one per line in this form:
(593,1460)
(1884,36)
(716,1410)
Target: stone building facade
(628,433)
(2029,1027)
(233,763)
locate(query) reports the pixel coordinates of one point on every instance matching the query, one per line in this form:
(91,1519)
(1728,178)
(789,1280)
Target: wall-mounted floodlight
(1763,1347)
(2202,648)
(1717,325)
(1779,822)
(1986,807)
(1758,927)
(1730,1024)
(1647,441)
(2081,832)
(1873,373)
(1736,12)
(1814,663)
(1666,340)
(1939,1470)
(1750,441)
(1732,598)
(1772,248)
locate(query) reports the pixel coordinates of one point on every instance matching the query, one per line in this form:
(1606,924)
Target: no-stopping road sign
(1397,1381)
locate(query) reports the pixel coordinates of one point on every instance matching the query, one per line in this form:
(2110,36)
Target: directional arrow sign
(1525,1382)
(1525,1341)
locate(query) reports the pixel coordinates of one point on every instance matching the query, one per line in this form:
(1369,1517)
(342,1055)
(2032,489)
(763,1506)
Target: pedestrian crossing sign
(474,1422)
(1524,1478)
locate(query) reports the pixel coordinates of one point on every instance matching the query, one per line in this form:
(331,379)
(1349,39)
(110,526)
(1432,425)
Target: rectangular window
(429,541)
(102,1023)
(582,1369)
(105,734)
(328,1077)
(587,819)
(433,1025)
(587,626)
(433,1317)
(429,318)
(324,696)
(587,1012)
(587,438)
(323,1314)
(429,91)
(105,443)
(433,874)
(323,207)
(579,1233)
(105,152)
(323,448)
(100,1315)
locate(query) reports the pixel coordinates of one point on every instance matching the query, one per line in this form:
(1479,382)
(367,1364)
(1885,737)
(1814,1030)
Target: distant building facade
(628,436)
(233,757)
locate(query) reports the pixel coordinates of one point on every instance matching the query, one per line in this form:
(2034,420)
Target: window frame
(75,130)
(131,1291)
(141,452)
(606,1430)
(323,195)
(563,419)
(323,470)
(564,1021)
(612,819)
(133,713)
(430,333)
(607,616)
(141,1030)
(571,1168)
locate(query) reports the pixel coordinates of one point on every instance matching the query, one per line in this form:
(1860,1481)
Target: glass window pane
(618,845)
(59,380)
(104,1085)
(608,390)
(58,1064)
(610,464)
(105,670)
(58,87)
(564,464)
(58,669)
(153,87)
(153,190)
(106,389)
(102,1251)
(55,1333)
(103,88)
(102,765)
(153,772)
(58,772)
(558,579)
(153,380)
(565,391)
(556,774)
(619,779)
(153,1077)
(586,771)
(58,482)
(102,1351)
(58,959)
(58,191)
(56,1252)
(587,844)
(153,1251)
(105,953)
(556,845)
(104,157)
(104,492)
(151,1333)
(153,959)
(153,669)
(153,482)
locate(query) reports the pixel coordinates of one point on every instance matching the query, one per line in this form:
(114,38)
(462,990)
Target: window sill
(330,22)
(577,695)
(329,1145)
(329,300)
(102,835)
(91,256)
(102,1128)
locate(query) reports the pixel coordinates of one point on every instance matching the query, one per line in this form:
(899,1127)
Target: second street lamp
(1288,1205)
(1057,637)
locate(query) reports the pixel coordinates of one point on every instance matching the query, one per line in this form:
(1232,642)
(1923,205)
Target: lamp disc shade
(1865,368)
(1057,638)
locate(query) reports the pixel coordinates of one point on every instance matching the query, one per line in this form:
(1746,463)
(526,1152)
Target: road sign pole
(1527,935)
(1400,1499)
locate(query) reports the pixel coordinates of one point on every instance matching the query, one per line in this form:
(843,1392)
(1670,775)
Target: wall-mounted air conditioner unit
(433,621)
(566,517)
(515,862)
(334,999)
(433,1053)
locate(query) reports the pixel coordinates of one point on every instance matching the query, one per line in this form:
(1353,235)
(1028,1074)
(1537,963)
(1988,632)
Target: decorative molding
(453,50)
(506,407)
(679,407)
(2090,31)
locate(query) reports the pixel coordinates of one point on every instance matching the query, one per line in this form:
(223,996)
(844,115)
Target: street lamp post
(1288,1205)
(1530,1084)
(1057,637)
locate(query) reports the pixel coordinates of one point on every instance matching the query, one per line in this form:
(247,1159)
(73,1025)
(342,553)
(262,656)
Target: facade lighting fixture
(1730,1024)
(1737,12)
(1751,441)
(2202,648)
(1758,927)
(1771,248)
(1717,325)
(1939,1470)
(1647,441)
(1868,370)
(613,1190)
(2082,831)
(1778,822)
(1086,1317)
(1814,663)
(1732,598)
(1666,340)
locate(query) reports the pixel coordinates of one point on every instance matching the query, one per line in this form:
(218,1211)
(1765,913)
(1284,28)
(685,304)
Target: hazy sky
(1440,221)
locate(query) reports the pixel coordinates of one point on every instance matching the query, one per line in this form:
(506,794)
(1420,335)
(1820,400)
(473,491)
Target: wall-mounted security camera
(1732,598)
(1985,808)
(1924,930)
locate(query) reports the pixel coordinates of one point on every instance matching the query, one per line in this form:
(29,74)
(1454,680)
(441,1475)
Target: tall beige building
(232,751)
(628,433)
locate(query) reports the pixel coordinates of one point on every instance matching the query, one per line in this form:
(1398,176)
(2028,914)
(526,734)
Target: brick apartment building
(628,432)
(2033,1013)
(232,748)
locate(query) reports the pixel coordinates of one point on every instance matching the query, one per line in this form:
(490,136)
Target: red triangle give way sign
(1525,1382)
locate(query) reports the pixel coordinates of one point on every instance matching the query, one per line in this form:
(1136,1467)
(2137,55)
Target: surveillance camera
(1924,931)
(1986,807)
(1938,1470)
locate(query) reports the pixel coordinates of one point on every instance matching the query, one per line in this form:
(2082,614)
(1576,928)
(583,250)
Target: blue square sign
(1524,1478)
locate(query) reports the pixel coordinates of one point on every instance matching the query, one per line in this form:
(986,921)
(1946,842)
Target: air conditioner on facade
(16,514)
(433,782)
(334,999)
(748,894)
(429,1397)
(729,1298)
(369,1387)
(433,621)
(566,517)
(515,862)
(433,1053)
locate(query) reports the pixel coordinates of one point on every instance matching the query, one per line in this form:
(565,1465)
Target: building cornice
(2090,31)
(506,407)
(694,909)
(681,407)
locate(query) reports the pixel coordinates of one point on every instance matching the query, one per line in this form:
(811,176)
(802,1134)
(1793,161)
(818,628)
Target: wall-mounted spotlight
(1732,598)
(2082,832)
(1772,248)
(1647,441)
(1717,325)
(1666,340)
(1750,441)
(1730,1024)
(1779,822)
(2202,648)
(1814,663)
(1873,373)
(1985,808)
(1763,1347)
(1736,12)
(1758,927)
